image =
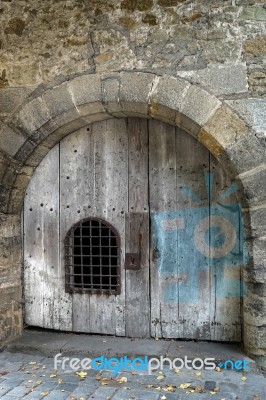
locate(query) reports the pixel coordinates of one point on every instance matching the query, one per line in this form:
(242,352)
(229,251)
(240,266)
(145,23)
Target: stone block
(253,111)
(135,90)
(85,89)
(36,156)
(25,151)
(225,127)
(229,78)
(254,184)
(10,225)
(10,274)
(12,98)
(32,116)
(199,105)
(58,100)
(246,153)
(110,93)
(168,92)
(256,216)
(10,140)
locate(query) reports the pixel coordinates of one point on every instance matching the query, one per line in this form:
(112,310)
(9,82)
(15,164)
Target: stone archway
(52,113)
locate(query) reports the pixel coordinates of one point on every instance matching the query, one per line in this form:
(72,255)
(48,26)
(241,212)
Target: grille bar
(93,259)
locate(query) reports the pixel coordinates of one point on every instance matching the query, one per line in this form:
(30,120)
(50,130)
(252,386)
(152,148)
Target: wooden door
(155,185)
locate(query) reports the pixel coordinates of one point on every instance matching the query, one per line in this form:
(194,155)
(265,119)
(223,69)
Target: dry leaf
(81,374)
(199,389)
(169,388)
(163,398)
(184,385)
(122,380)
(177,371)
(32,362)
(160,377)
(45,393)
(217,369)
(243,378)
(52,376)
(198,373)
(38,383)
(217,389)
(59,380)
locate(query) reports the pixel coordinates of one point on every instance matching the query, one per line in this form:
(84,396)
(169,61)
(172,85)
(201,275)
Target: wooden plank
(111,201)
(41,250)
(86,183)
(162,192)
(137,282)
(193,206)
(137,230)
(227,270)
(76,184)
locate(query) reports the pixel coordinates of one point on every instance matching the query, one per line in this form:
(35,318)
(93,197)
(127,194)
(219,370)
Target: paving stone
(57,395)
(102,392)
(135,394)
(84,391)
(3,390)
(19,391)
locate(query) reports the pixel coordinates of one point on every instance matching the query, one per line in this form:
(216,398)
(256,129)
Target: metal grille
(92,248)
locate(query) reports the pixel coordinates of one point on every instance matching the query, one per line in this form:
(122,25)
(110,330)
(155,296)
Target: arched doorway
(179,227)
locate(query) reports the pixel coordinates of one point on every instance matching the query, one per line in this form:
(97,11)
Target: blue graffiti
(191,242)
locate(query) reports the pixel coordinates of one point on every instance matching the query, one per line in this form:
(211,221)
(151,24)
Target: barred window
(92,248)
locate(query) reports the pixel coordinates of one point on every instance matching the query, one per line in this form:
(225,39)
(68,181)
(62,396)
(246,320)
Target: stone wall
(217,45)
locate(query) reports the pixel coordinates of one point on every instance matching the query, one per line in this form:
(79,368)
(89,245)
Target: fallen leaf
(148,386)
(177,371)
(169,388)
(184,385)
(243,378)
(212,392)
(217,369)
(4,372)
(81,374)
(163,398)
(52,376)
(32,362)
(45,393)
(59,380)
(217,389)
(199,389)
(160,377)
(38,383)
(198,373)
(123,379)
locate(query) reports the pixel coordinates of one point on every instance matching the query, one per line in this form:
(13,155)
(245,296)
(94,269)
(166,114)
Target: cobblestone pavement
(30,376)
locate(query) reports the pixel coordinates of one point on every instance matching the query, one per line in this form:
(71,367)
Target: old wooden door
(176,216)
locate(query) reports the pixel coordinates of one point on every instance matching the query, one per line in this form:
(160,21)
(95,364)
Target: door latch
(132,261)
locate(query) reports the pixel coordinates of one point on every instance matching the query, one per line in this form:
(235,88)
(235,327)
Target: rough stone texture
(153,59)
(230,78)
